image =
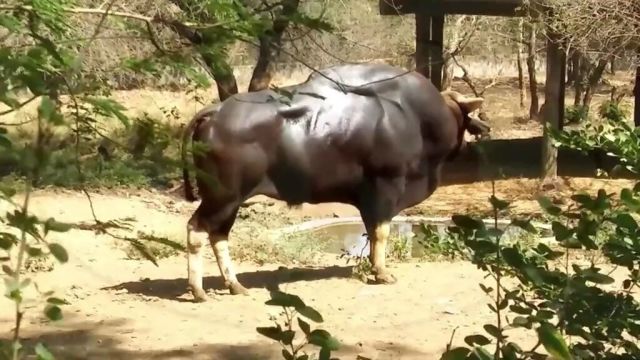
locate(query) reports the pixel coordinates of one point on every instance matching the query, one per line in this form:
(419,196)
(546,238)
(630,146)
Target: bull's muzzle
(478,128)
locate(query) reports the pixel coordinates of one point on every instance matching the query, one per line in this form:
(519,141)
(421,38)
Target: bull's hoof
(385,278)
(199,295)
(237,289)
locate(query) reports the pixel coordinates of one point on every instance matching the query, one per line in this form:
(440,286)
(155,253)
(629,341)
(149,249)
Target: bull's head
(462,106)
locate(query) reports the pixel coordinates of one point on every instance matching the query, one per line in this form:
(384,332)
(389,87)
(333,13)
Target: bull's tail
(188,132)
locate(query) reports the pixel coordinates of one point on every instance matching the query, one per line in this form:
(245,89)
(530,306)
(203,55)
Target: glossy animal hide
(370,135)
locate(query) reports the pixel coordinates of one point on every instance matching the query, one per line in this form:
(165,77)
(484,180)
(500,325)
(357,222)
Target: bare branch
(102,12)
(22,104)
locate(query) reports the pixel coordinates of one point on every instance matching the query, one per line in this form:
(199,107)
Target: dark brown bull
(373,136)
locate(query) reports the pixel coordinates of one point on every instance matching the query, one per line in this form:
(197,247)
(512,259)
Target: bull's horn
(471,104)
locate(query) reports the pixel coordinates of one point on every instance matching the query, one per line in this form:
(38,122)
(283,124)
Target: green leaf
(467,223)
(458,353)
(7,240)
(323,339)
(9,22)
(5,142)
(279,298)
(310,313)
(497,203)
(524,225)
(7,270)
(629,200)
(24,283)
(626,221)
(520,310)
(42,353)
(481,340)
(544,315)
(533,274)
(583,199)
(548,206)
(482,354)
(521,321)
(553,342)
(47,108)
(304,326)
(594,276)
(57,301)
(513,257)
(287,355)
(325,354)
(7,191)
(34,251)
(272,332)
(52,225)
(486,289)
(53,312)
(547,252)
(109,107)
(492,330)
(560,231)
(287,336)
(59,252)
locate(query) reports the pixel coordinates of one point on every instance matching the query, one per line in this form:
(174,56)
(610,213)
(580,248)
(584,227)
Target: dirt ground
(130,309)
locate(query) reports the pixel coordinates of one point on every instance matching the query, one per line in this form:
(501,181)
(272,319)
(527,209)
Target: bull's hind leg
(220,245)
(216,219)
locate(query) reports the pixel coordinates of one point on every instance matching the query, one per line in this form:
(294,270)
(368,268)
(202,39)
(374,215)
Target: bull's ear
(471,104)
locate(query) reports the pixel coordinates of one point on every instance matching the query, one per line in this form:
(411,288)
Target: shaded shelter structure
(429,17)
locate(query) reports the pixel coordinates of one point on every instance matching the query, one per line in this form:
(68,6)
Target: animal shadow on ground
(80,340)
(172,289)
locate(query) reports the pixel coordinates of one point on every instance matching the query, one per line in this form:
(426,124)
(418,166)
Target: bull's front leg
(220,245)
(378,245)
(194,265)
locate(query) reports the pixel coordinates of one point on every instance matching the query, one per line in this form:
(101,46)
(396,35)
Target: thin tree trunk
(612,63)
(583,67)
(270,43)
(553,104)
(594,80)
(447,72)
(574,68)
(220,69)
(520,54)
(636,92)
(531,69)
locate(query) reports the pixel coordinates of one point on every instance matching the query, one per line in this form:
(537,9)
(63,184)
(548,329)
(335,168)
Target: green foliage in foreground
(285,334)
(575,310)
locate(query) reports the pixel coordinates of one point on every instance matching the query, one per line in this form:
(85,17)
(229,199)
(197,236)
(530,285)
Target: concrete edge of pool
(319,224)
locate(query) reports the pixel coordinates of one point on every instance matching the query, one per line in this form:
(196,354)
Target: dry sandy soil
(129,309)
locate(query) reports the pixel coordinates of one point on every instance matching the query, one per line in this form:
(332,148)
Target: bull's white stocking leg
(194,265)
(220,247)
(378,254)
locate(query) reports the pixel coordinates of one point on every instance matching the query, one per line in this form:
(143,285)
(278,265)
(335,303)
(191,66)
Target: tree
(265,20)
(595,32)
